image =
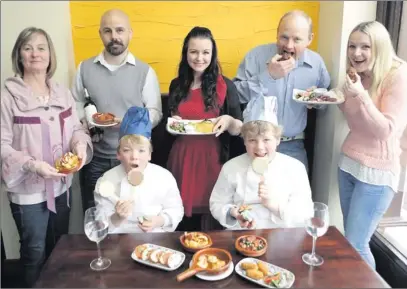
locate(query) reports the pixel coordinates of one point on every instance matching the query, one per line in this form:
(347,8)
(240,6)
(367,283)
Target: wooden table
(68,265)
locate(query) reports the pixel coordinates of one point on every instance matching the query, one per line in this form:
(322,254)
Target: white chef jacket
(158,194)
(288,186)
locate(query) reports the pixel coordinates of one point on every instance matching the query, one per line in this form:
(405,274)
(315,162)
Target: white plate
(208,277)
(102,125)
(332,93)
(286,282)
(159,265)
(186,121)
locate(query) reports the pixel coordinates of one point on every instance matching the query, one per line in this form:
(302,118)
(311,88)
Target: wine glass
(316,226)
(96,228)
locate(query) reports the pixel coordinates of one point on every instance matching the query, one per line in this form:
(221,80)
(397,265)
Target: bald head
(115,15)
(115,31)
(294,34)
(298,16)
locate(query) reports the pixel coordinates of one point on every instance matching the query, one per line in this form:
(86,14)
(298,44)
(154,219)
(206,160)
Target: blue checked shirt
(253,79)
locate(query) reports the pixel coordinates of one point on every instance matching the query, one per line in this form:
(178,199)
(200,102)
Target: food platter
(103,119)
(318,96)
(158,257)
(191,127)
(264,274)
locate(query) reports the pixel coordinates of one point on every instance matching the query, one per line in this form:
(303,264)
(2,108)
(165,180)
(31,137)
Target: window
(393,227)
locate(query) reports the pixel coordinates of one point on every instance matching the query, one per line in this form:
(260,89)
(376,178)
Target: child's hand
(234,212)
(153,222)
(124,208)
(263,192)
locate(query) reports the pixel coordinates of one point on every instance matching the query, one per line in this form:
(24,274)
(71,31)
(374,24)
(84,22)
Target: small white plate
(159,265)
(332,93)
(102,125)
(208,277)
(186,121)
(287,280)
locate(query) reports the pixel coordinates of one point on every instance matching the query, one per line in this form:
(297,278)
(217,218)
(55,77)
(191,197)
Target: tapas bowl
(196,245)
(68,163)
(251,245)
(196,267)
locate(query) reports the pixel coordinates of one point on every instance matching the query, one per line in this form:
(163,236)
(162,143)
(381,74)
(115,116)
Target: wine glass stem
(314,240)
(99,252)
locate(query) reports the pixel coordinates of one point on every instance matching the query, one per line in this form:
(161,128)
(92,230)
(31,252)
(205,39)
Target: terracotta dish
(212,261)
(251,245)
(68,163)
(103,118)
(195,241)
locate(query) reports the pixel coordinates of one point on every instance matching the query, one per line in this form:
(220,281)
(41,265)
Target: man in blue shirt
(276,69)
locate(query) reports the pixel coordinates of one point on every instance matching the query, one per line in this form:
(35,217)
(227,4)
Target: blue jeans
(39,231)
(363,205)
(295,149)
(89,176)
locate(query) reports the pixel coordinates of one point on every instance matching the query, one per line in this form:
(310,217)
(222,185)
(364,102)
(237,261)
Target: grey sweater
(114,92)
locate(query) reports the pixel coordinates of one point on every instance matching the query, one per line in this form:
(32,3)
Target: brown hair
(134,139)
(22,39)
(259,127)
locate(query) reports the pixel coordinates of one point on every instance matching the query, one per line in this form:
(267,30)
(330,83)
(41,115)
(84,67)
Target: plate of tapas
(68,163)
(104,119)
(251,245)
(195,241)
(318,96)
(158,257)
(191,127)
(264,274)
(215,277)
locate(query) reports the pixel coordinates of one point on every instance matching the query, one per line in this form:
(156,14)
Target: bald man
(115,80)
(276,69)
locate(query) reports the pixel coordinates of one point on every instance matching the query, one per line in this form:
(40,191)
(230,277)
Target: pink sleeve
(392,112)
(403,146)
(12,160)
(80,136)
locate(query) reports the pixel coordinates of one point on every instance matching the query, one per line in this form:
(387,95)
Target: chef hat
(261,108)
(136,121)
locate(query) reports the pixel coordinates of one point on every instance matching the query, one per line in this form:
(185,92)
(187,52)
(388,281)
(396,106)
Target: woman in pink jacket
(38,125)
(376,111)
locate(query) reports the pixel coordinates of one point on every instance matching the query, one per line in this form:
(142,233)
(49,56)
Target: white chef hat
(261,108)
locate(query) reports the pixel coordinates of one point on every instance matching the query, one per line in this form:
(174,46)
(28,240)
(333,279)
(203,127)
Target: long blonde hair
(385,61)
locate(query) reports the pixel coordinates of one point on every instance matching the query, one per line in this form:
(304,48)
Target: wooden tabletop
(68,265)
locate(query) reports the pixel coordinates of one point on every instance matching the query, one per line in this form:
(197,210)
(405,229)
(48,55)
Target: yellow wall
(160,27)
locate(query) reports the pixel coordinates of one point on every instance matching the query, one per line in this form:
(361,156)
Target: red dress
(194,160)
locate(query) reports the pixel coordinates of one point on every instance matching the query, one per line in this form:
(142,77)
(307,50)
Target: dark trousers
(39,231)
(89,176)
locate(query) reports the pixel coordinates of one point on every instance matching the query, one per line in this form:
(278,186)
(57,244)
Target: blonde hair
(385,60)
(134,139)
(259,127)
(22,39)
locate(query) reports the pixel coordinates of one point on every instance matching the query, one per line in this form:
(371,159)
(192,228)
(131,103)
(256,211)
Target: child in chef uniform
(138,196)
(261,188)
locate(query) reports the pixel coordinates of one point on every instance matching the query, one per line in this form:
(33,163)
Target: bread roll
(263,268)
(254,274)
(248,265)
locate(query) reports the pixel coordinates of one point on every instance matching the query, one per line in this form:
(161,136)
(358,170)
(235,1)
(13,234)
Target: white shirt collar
(129,59)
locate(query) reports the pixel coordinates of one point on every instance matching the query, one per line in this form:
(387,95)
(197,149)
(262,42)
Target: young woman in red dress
(200,92)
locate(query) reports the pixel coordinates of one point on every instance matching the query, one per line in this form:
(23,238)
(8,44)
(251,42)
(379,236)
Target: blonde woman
(38,125)
(273,198)
(376,111)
